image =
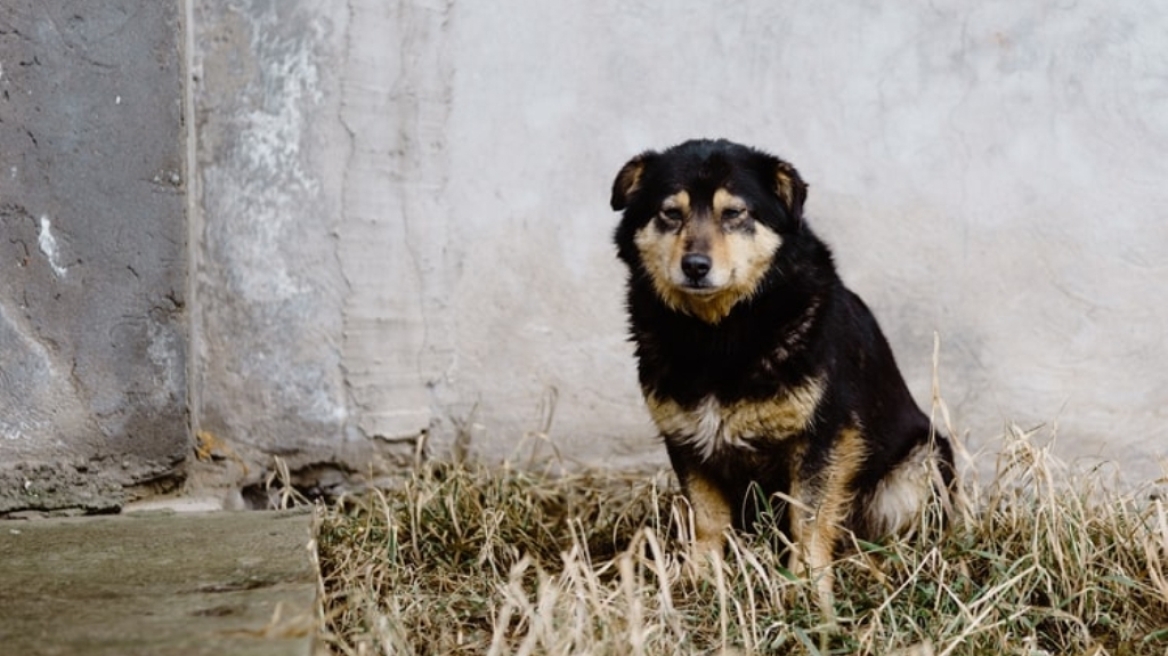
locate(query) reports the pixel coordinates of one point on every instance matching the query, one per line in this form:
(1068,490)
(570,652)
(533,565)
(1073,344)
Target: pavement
(159,582)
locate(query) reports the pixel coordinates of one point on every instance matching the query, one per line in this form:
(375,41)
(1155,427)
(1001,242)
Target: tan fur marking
(712,426)
(818,527)
(628,182)
(678,201)
(789,187)
(783,186)
(724,200)
(751,256)
(712,514)
(739,258)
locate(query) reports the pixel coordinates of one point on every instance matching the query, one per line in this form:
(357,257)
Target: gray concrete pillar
(93,239)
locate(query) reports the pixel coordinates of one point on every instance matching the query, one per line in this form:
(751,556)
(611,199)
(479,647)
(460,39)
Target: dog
(766,377)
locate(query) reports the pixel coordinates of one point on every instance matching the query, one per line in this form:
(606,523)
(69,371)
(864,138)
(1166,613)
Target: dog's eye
(733,213)
(671,215)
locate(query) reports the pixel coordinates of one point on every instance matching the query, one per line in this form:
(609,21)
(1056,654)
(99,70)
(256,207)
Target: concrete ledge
(159,583)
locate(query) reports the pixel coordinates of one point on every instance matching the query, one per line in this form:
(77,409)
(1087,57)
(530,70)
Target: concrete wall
(418,240)
(400,234)
(270,169)
(93,339)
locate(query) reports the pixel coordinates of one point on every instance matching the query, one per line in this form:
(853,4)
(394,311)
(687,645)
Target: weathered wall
(285,275)
(92,252)
(991,173)
(416,236)
(398,223)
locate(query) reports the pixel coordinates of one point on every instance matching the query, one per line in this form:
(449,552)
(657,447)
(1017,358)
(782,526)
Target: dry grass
(465,559)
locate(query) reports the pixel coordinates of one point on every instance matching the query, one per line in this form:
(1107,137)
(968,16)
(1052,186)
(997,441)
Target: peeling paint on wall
(270,160)
(255,171)
(48,245)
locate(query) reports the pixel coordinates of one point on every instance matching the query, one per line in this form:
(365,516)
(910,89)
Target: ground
(466,559)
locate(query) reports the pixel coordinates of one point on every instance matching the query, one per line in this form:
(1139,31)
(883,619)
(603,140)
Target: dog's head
(704,221)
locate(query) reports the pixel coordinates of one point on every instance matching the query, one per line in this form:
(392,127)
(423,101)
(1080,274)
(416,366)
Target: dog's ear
(789,187)
(628,181)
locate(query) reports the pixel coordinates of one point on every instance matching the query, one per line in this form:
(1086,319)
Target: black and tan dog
(762,371)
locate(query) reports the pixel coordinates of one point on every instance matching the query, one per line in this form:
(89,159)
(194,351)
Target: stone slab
(158,583)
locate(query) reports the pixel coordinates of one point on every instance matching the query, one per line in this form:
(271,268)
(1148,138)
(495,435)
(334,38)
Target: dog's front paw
(701,559)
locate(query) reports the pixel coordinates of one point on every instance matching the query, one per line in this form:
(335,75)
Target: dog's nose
(695,265)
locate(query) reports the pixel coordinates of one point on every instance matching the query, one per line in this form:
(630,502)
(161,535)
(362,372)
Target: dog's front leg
(711,516)
(815,530)
(818,523)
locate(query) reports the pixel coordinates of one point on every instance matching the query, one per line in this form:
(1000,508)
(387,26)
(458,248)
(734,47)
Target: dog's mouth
(699,287)
(708,283)
(702,288)
(703,298)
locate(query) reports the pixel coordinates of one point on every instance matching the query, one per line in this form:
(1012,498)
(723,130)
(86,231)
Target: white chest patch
(710,431)
(712,427)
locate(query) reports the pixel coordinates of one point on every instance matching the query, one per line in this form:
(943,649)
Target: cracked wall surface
(92,252)
(274,161)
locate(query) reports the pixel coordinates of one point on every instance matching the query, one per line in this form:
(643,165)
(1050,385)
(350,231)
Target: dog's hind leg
(904,492)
